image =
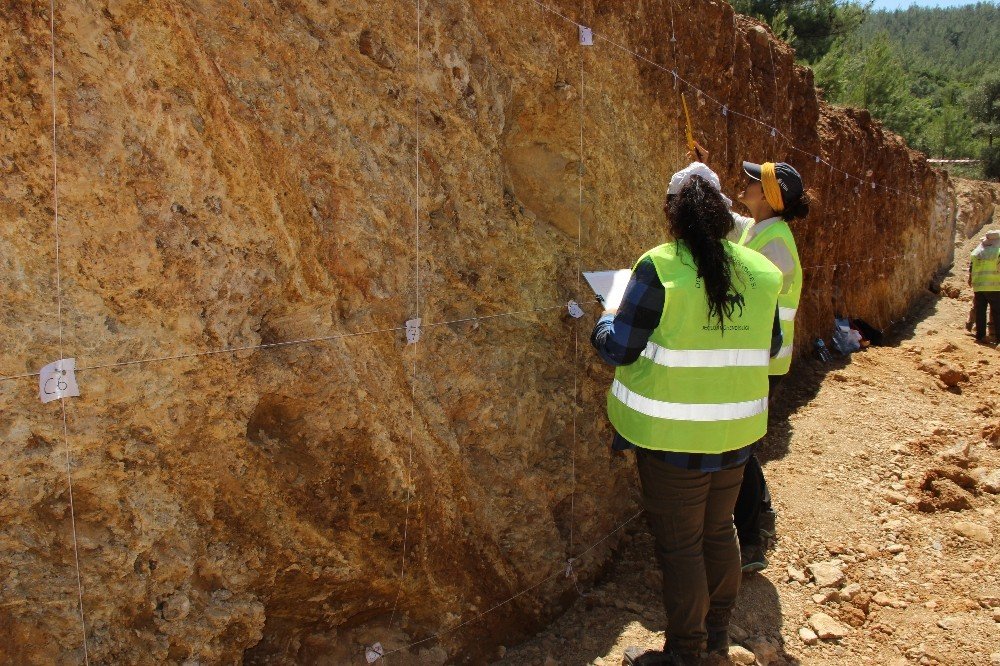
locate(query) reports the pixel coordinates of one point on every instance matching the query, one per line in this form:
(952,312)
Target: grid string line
(300,341)
(59,317)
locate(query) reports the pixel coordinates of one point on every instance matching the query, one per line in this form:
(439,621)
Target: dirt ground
(885,469)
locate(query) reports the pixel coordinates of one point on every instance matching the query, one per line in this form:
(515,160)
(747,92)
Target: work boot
(766,525)
(718,641)
(752,558)
(636,656)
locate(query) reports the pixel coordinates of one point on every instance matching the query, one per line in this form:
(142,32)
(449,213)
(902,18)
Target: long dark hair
(698,216)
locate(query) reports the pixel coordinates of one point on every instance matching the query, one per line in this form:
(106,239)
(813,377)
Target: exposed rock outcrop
(234,174)
(977,201)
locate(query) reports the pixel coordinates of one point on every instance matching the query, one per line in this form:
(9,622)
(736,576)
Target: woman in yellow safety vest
(692,341)
(775,196)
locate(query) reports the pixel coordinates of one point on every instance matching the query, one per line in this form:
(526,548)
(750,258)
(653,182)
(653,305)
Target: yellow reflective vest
(788,300)
(699,387)
(986,270)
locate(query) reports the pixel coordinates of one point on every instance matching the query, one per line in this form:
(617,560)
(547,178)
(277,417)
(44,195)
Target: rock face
(977,201)
(236,174)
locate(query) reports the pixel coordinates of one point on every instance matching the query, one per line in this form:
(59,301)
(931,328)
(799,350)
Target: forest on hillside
(930,74)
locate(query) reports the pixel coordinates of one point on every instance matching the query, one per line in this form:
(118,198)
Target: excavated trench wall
(232,174)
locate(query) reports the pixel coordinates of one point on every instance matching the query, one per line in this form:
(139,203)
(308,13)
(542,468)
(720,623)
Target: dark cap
(789,179)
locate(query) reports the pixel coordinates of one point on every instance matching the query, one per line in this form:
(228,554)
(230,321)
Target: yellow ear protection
(772,191)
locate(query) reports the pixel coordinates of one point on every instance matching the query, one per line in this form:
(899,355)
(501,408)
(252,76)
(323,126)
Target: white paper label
(373,653)
(58,380)
(413,331)
(575,311)
(586,36)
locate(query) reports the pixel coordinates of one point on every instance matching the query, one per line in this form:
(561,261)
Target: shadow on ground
(626,609)
(803,383)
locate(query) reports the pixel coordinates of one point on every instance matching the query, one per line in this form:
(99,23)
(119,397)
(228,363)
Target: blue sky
(903,4)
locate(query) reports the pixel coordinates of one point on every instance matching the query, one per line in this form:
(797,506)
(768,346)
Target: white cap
(680,179)
(991,237)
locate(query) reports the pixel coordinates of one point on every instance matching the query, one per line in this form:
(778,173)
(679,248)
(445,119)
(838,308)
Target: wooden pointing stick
(688,132)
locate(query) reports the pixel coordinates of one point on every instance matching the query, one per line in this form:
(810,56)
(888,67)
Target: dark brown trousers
(690,514)
(980,300)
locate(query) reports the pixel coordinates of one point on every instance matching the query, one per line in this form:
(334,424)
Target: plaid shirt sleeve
(620,339)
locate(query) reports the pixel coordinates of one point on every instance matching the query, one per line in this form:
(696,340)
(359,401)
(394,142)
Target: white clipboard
(609,286)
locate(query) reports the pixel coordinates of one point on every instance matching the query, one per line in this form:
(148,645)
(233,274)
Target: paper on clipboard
(609,285)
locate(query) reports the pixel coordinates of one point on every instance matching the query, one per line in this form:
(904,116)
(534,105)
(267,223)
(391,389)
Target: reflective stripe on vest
(681,411)
(787,314)
(784,352)
(706,358)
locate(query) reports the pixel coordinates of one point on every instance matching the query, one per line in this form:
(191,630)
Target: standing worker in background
(691,342)
(984,276)
(774,196)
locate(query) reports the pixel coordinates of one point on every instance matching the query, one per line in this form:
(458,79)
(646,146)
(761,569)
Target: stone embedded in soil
(946,489)
(893,497)
(951,622)
(850,591)
(991,482)
(973,531)
(960,454)
(737,633)
(949,375)
(797,575)
(808,636)
(826,627)
(824,596)
(991,433)
(883,599)
(740,655)
(852,615)
(763,650)
(826,574)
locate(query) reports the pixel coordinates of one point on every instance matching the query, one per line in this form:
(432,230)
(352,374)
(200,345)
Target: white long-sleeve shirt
(776,251)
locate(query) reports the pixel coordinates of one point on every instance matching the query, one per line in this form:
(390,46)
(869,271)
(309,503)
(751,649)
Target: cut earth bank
(243,173)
